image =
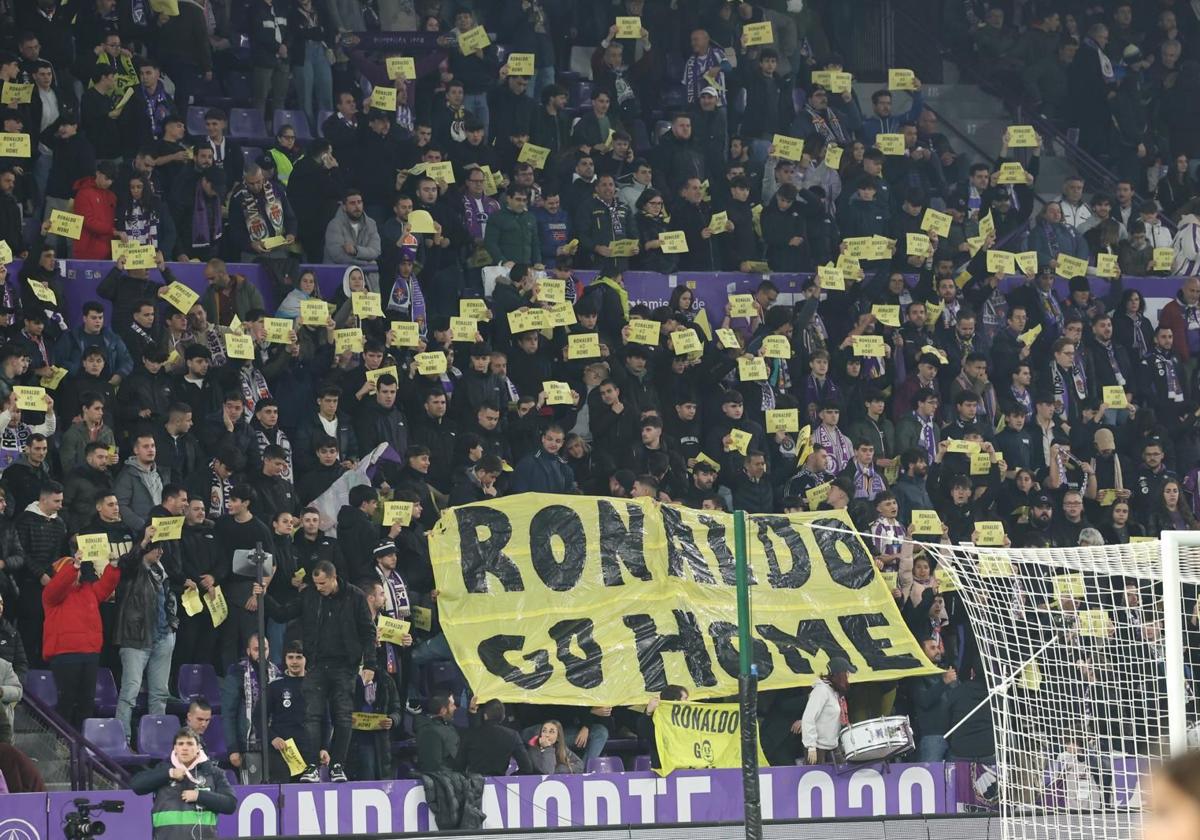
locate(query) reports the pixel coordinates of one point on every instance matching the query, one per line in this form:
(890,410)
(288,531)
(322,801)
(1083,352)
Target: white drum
(876,739)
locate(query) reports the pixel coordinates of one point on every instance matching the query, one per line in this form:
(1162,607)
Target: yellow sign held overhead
(629,27)
(1022,137)
(757,34)
(788,148)
(66,224)
(432,363)
(473,39)
(535,156)
(753,369)
(936,221)
(900,79)
(400,65)
(890,144)
(583,346)
(520,64)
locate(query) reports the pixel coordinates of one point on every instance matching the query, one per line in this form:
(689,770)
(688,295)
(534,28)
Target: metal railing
(88,767)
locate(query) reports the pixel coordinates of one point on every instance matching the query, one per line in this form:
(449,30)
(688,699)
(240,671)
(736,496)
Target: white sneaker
(337,773)
(311,774)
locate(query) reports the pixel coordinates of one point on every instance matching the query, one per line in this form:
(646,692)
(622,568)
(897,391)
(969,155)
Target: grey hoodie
(138,490)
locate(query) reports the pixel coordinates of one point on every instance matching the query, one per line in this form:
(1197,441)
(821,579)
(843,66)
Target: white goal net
(1089,656)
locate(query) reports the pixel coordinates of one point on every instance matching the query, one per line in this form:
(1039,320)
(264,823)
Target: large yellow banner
(582,599)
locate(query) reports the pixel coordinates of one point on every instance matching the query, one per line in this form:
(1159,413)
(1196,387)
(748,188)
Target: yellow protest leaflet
(170,8)
(561,314)
(776,347)
(30,397)
(945,579)
(1095,623)
(742,306)
(422,617)
(782,420)
(1029,336)
(840,81)
(962,447)
(1107,497)
(167,528)
(218,610)
(93,547)
(180,296)
(57,374)
(728,339)
(1107,266)
(15,145)
(6,254)
(278,330)
(788,148)
(622,248)
(685,342)
(397,513)
(718,223)
(405,333)
(936,221)
(981,463)
(629,27)
(1070,585)
(1114,396)
(642,331)
(1011,173)
(739,441)
(42,291)
(392,629)
(694,736)
(442,171)
(367,721)
(850,267)
(66,224)
(704,459)
(272,242)
(432,363)
(314,313)
(816,496)
(419,221)
(1001,262)
(887,314)
(1022,137)
(987,225)
(1163,259)
(830,277)
(190,599)
(868,345)
(473,308)
(348,340)
(463,329)
(753,369)
(990,533)
(400,65)
(833,156)
(520,64)
(890,144)
(383,99)
(1027,262)
(757,34)
(583,346)
(373,376)
(473,39)
(673,242)
(1069,267)
(293,758)
(558,393)
(528,319)
(900,79)
(15,93)
(926,522)
(917,245)
(366,304)
(550,290)
(138,256)
(533,155)
(991,566)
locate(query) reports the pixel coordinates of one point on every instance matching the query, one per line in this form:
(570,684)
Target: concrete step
(1053,172)
(965,101)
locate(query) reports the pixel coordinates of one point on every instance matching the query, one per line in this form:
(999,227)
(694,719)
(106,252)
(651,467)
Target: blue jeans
(932,748)
(477,104)
(314,83)
(597,738)
(275,636)
(435,649)
(155,665)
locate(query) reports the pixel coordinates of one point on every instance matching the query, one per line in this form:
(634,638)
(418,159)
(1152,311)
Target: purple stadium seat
(156,734)
(296,119)
(108,736)
(581,95)
(41,685)
(105,697)
(195,120)
(641,762)
(250,154)
(214,739)
(247,124)
(237,87)
(605,764)
(200,681)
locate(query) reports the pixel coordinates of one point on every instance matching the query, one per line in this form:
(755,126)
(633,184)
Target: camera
(80,824)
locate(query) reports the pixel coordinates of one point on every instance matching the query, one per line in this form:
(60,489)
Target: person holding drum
(826,713)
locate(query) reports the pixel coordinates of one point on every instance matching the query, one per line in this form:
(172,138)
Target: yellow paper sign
(840,82)
(727,338)
(397,513)
(890,144)
(685,342)
(473,308)
(782,420)
(718,223)
(69,225)
(816,496)
(57,374)
(753,369)
(1027,262)
(190,599)
(1163,259)
(218,609)
(473,39)
(830,277)
(899,79)
(15,146)
(995,567)
(673,242)
(1107,497)
(583,346)
(431,363)
(756,34)
(788,148)
(533,155)
(180,296)
(962,447)
(366,304)
(93,547)
(1070,585)
(392,629)
(917,245)
(558,393)
(422,617)
(383,99)
(936,221)
(704,459)
(398,65)
(1029,336)
(30,397)
(642,331)
(887,314)
(868,345)
(1096,623)
(367,721)
(561,314)
(15,93)
(272,242)
(1022,137)
(520,64)
(41,291)
(622,248)
(278,330)
(1107,266)
(926,522)
(293,758)
(739,441)
(442,171)
(1001,262)
(987,226)
(550,290)
(463,329)
(1069,267)
(373,376)
(742,306)
(419,221)
(776,347)
(833,156)
(314,313)
(167,528)
(349,340)
(981,463)
(629,27)
(405,333)
(528,320)
(6,254)
(990,533)
(1114,396)
(1011,173)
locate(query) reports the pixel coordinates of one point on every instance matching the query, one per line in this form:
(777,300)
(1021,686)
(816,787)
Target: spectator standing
(43,537)
(268,25)
(189,791)
(487,748)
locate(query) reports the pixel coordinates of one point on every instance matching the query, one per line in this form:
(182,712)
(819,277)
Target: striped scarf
(828,127)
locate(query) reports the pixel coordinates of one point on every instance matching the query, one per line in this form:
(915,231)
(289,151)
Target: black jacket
(308,553)
(348,608)
(137,612)
(358,536)
(202,554)
(486,750)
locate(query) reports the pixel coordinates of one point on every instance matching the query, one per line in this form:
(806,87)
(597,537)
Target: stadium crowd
(988,395)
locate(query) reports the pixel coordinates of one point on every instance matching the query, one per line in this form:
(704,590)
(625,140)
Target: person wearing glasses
(285,153)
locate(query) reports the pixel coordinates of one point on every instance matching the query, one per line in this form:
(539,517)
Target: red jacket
(98,208)
(73,612)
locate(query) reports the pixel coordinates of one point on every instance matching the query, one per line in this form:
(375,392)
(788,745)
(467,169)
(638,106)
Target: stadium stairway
(44,748)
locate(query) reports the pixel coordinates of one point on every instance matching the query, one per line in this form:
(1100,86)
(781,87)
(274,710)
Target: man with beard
(259,211)
(207,564)
(929,703)
(352,237)
(911,489)
(311,546)
(1040,525)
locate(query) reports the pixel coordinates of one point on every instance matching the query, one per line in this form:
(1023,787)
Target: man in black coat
(596,229)
(769,110)
(315,188)
(357,532)
(677,157)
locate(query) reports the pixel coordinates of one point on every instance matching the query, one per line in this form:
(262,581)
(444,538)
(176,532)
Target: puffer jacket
(174,819)
(98,207)
(138,591)
(73,612)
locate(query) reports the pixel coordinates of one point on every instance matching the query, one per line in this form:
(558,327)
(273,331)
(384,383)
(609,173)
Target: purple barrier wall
(532,801)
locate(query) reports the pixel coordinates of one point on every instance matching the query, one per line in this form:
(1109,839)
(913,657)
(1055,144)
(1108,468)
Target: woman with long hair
(306,288)
(652,220)
(139,214)
(1120,526)
(1171,512)
(1177,188)
(683,301)
(1131,328)
(548,751)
